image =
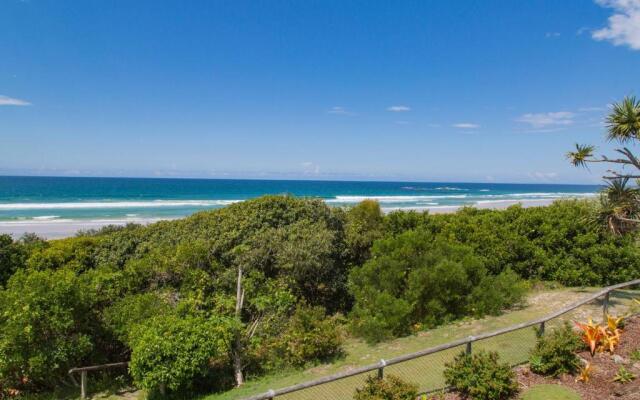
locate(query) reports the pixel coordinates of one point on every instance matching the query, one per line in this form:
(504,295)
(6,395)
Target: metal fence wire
(425,368)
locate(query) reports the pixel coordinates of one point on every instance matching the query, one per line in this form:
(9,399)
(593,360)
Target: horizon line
(298,179)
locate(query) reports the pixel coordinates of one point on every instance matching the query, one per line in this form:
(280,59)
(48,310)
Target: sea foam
(115,204)
(391,199)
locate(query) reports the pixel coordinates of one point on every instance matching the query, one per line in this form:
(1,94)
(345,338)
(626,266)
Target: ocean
(46,199)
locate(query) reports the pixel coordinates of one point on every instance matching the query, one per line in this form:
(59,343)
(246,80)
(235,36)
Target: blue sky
(407,90)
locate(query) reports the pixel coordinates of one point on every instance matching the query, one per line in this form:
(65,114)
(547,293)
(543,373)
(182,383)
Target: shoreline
(58,229)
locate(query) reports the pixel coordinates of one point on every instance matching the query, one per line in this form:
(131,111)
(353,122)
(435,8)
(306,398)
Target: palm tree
(624,121)
(619,206)
(581,155)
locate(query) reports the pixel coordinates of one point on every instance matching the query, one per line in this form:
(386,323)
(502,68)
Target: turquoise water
(54,199)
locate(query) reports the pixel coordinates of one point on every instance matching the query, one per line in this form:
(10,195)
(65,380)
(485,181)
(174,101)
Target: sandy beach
(57,229)
(489,205)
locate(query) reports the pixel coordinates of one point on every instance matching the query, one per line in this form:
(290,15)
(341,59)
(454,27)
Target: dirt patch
(548,299)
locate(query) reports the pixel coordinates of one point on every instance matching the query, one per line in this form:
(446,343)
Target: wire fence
(425,368)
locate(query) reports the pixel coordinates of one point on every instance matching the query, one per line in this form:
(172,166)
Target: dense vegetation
(276,282)
(417,278)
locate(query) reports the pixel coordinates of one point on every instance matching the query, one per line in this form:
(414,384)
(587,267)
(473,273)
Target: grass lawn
(550,392)
(427,371)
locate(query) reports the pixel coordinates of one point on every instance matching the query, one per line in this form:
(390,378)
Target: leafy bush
(553,243)
(12,256)
(493,294)
(555,352)
(364,225)
(481,376)
(414,278)
(173,351)
(46,327)
(382,317)
(76,254)
(132,310)
(310,336)
(389,388)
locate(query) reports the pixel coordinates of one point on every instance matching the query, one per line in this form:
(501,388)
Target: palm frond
(581,155)
(623,123)
(619,206)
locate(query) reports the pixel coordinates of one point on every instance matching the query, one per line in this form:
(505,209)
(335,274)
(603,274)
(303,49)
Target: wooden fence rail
(83,374)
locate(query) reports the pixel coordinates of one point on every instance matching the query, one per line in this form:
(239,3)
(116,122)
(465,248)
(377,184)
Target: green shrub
(132,310)
(12,256)
(76,254)
(382,317)
(389,388)
(46,328)
(310,336)
(175,351)
(555,352)
(556,242)
(364,225)
(493,294)
(481,376)
(414,278)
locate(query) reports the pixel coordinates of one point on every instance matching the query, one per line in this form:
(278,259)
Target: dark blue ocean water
(53,198)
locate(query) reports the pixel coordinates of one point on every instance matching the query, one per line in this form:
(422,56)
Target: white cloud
(309,167)
(542,120)
(466,125)
(543,176)
(340,111)
(398,108)
(624,25)
(551,34)
(591,109)
(10,101)
(582,30)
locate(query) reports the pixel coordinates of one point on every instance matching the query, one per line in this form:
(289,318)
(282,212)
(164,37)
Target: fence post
(605,307)
(83,384)
(383,363)
(541,330)
(468,350)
